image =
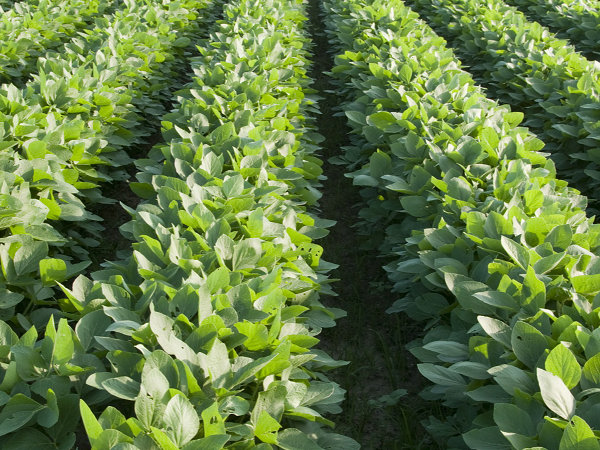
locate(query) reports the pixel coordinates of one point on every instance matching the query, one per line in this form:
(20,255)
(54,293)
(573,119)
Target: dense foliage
(493,251)
(526,66)
(575,20)
(204,333)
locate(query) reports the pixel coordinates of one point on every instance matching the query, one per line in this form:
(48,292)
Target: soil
(369,338)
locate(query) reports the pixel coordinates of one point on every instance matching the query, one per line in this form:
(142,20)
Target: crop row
(526,66)
(203,336)
(29,30)
(66,134)
(492,250)
(575,20)
(57,133)
(227,309)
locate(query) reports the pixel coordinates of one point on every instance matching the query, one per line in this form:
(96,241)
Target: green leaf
(512,419)
(111,439)
(496,329)
(218,279)
(266,428)
(28,257)
(257,335)
(91,424)
(405,73)
(180,416)
(381,120)
(233,186)
(578,436)
(64,346)
(246,254)
(556,394)
(528,343)
(181,42)
(28,439)
(498,299)
(488,438)
(415,205)
(511,378)
(52,270)
(517,252)
(562,363)
(36,150)
(91,325)
(591,369)
(560,237)
(441,375)
(586,284)
(162,439)
(9,299)
(213,422)
(216,441)
(17,412)
(122,387)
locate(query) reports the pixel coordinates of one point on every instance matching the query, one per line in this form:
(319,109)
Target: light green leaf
(52,269)
(586,284)
(556,394)
(591,369)
(213,422)
(562,363)
(578,436)
(266,428)
(518,253)
(180,416)
(91,424)
(246,254)
(64,346)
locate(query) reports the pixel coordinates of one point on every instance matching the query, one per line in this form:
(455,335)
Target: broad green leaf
(511,378)
(512,419)
(17,412)
(212,420)
(180,416)
(556,394)
(591,369)
(441,375)
(162,439)
(560,237)
(233,186)
(122,387)
(562,363)
(488,438)
(246,254)
(518,253)
(91,325)
(381,120)
(578,436)
(498,299)
(110,439)
(28,257)
(586,284)
(266,428)
(528,343)
(216,441)
(496,329)
(52,270)
(218,279)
